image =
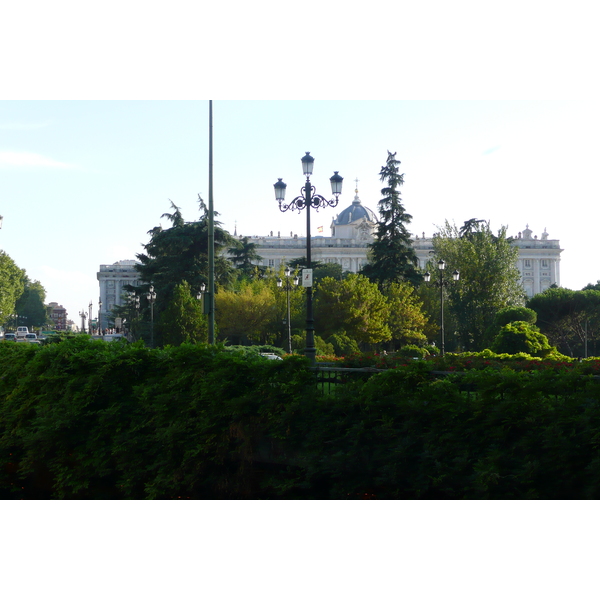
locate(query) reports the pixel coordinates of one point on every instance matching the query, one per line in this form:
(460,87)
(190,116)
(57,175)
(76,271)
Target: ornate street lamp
(288,288)
(307,200)
(151,297)
(441,283)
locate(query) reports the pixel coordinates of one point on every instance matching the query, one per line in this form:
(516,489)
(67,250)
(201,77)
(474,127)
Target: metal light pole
(309,198)
(288,288)
(151,297)
(441,283)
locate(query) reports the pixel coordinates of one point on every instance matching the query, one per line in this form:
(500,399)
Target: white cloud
(29,159)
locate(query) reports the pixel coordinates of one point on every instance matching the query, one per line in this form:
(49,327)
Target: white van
(22,331)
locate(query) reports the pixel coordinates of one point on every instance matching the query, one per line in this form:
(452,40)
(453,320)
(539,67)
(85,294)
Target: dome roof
(355,212)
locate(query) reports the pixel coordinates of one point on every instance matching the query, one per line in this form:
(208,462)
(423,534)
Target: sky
(82,182)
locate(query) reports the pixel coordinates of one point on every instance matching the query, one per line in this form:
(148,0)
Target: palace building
(353,229)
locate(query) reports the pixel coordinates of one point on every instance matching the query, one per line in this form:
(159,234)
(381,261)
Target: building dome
(355,222)
(355,212)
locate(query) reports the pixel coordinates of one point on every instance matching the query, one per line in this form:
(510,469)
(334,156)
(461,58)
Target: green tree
(180,253)
(11,286)
(243,254)
(354,306)
(407,322)
(391,256)
(569,318)
(489,278)
(515,313)
(247,314)
(520,336)
(183,320)
(31,304)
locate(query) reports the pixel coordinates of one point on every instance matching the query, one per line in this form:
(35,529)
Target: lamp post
(151,297)
(442,283)
(307,200)
(288,288)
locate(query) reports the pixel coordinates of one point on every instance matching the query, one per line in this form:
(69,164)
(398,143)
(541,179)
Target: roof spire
(356,198)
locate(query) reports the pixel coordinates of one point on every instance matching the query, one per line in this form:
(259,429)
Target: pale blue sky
(82,182)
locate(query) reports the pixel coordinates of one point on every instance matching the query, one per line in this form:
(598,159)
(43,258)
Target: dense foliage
(391,255)
(177,254)
(89,419)
(569,318)
(489,279)
(30,306)
(11,286)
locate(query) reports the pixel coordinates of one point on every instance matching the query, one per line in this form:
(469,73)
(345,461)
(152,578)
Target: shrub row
(89,419)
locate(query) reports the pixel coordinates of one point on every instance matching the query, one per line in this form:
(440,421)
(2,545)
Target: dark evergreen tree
(243,253)
(392,257)
(178,254)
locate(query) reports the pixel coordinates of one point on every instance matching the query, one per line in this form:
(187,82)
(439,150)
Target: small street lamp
(288,288)
(83,317)
(441,283)
(151,297)
(307,200)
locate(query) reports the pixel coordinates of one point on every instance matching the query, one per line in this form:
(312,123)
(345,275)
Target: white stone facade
(353,229)
(113,279)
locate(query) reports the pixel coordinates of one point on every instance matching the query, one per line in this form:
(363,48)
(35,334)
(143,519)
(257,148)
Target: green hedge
(88,419)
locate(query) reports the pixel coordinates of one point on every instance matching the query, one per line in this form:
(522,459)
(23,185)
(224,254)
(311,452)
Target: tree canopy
(183,320)
(30,305)
(243,254)
(391,255)
(12,285)
(180,254)
(489,278)
(568,318)
(354,306)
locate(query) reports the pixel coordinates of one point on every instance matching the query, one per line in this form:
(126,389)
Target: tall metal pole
(211,235)
(288,287)
(442,311)
(310,351)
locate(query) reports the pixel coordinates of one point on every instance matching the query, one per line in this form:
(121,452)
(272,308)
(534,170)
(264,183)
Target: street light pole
(288,289)
(309,198)
(441,283)
(151,297)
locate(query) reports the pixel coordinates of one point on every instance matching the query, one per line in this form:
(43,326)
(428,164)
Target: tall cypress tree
(392,257)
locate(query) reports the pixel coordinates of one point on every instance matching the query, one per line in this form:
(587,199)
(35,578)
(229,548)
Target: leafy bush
(343,344)
(520,336)
(411,350)
(87,419)
(515,313)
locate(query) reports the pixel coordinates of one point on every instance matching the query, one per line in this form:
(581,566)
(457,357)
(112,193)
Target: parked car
(271,356)
(10,337)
